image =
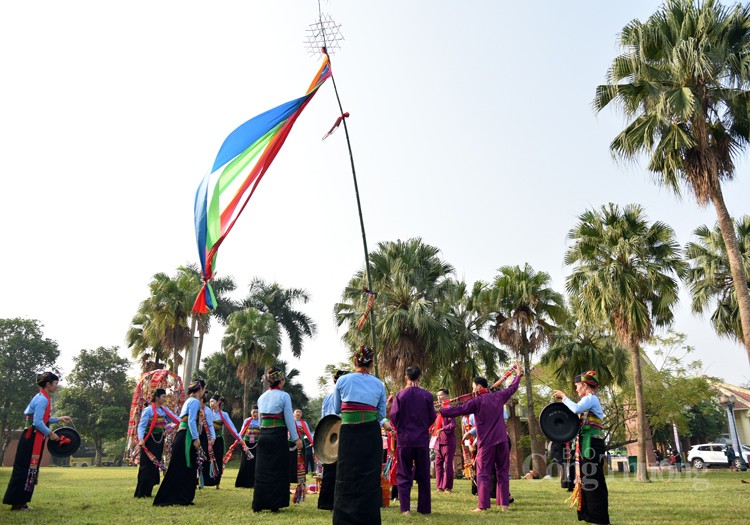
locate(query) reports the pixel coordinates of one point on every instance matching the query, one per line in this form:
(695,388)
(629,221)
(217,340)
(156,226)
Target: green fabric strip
(270,423)
(188,441)
(358,416)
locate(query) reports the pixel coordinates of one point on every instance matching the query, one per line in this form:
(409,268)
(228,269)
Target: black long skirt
(327,487)
(246,475)
(219,455)
(271,470)
(178,485)
(595,497)
(292,463)
(148,473)
(16,494)
(358,495)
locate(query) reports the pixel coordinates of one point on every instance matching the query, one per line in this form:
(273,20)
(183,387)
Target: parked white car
(707,454)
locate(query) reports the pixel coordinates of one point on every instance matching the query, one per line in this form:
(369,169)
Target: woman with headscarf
(272,457)
(220,420)
(250,433)
(590,451)
(360,399)
(178,485)
(151,431)
(31,444)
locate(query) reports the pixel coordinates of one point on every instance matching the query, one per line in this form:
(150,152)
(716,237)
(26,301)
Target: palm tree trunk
(200,348)
(739,277)
(635,361)
(175,358)
(537,460)
(245,397)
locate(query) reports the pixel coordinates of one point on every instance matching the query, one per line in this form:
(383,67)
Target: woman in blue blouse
(31,444)
(178,485)
(220,420)
(360,399)
(250,433)
(594,496)
(272,457)
(151,431)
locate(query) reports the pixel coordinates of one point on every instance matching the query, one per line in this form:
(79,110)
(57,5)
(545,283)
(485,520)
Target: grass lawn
(105,495)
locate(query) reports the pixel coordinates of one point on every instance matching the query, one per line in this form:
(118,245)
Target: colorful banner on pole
(239,166)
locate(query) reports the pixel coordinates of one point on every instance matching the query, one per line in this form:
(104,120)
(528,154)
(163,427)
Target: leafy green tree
(280,303)
(98,396)
(706,421)
(252,341)
(710,278)
(24,351)
(683,81)
(525,311)
(673,386)
(312,412)
(624,278)
(411,282)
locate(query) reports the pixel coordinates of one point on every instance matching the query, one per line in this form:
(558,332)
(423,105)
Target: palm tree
(148,351)
(710,278)
(252,341)
(470,355)
(525,312)
(410,280)
(161,320)
(579,346)
(624,279)
(683,80)
(280,303)
(189,278)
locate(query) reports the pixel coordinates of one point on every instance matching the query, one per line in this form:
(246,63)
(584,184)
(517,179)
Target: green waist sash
(358,416)
(592,427)
(188,440)
(272,422)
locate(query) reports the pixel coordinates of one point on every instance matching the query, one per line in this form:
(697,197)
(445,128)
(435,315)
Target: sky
(471,127)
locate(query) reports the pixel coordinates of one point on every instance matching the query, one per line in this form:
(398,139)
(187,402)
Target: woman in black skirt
(151,431)
(211,471)
(178,485)
(591,486)
(25,473)
(360,398)
(272,457)
(221,420)
(250,433)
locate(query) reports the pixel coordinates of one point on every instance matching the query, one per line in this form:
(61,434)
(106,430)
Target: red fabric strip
(357,407)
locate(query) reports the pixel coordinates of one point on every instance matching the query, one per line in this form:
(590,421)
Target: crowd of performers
(383,443)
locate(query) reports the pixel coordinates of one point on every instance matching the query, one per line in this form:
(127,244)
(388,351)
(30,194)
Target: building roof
(742,395)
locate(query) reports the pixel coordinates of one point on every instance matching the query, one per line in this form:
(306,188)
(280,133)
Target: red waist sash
(351,406)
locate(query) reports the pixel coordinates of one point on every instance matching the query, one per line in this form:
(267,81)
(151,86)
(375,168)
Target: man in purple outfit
(492,438)
(412,413)
(446,446)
